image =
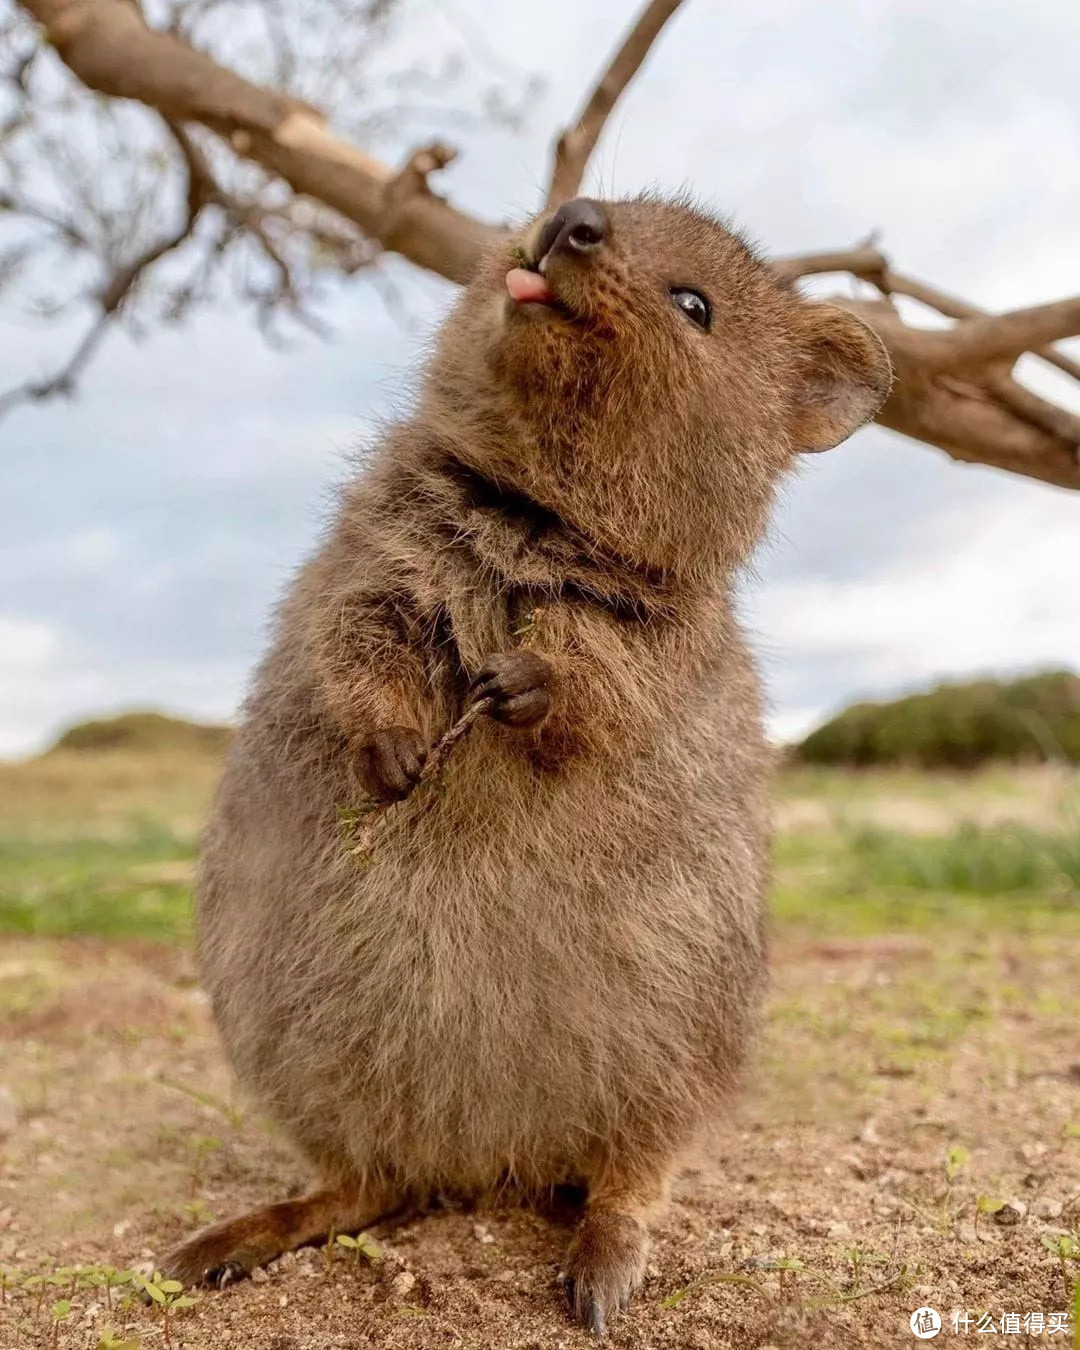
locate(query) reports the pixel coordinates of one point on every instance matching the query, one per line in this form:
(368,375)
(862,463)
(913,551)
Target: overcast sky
(146,529)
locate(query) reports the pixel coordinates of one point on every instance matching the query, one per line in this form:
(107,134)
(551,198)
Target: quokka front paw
(518,684)
(391,760)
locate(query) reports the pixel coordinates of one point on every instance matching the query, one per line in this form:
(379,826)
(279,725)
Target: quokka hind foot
(230,1251)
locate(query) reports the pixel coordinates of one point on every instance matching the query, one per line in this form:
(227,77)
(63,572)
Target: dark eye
(693,305)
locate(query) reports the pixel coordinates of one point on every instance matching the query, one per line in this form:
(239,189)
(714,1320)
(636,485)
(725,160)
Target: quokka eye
(693,304)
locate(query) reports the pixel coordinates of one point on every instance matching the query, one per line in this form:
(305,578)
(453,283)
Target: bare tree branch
(1054,420)
(110,299)
(970,424)
(976,416)
(868,263)
(574,147)
(109,48)
(1004,337)
(62,382)
(953,387)
(865,261)
(413,178)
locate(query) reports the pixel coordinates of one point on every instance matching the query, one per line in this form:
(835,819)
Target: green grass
(131,886)
(865,878)
(971,859)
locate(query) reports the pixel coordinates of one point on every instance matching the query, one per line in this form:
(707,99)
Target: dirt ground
(829,1208)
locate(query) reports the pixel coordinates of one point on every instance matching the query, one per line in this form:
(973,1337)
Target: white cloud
(26,645)
(1001,596)
(29,651)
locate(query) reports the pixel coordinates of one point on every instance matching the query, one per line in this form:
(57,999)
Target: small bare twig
(412,181)
(576,144)
(360,824)
(110,299)
(865,262)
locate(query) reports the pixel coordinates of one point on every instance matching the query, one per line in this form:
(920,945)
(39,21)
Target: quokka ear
(843,378)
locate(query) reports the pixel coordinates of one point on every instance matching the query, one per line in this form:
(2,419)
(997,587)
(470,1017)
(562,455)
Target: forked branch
(953,386)
(868,263)
(574,147)
(109,298)
(1004,337)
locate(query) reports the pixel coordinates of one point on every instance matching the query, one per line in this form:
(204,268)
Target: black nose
(578,227)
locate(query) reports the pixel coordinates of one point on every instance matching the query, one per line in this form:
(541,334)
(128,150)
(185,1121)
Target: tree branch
(868,263)
(952,388)
(970,424)
(865,262)
(979,416)
(115,290)
(576,144)
(107,45)
(1004,337)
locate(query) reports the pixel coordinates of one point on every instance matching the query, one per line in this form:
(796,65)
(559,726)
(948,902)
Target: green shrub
(144,731)
(957,726)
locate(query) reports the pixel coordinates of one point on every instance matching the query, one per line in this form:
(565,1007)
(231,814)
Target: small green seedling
(109,1278)
(61,1311)
(1066,1248)
(857,1259)
(202,1147)
(786,1265)
(225,1109)
(197,1213)
(956,1159)
(167,1295)
(987,1204)
(111,1339)
(35,1284)
(361,1245)
(70,1277)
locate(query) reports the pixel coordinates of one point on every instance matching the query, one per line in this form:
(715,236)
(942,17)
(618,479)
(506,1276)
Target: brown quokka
(549,968)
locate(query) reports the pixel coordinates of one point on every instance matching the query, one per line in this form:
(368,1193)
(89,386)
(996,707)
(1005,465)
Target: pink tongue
(527,287)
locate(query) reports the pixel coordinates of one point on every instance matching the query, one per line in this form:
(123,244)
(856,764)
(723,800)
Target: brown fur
(551,968)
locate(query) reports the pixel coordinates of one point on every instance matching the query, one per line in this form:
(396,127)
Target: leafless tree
(249,134)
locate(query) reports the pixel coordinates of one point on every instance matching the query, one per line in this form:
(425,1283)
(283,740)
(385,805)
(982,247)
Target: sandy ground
(119,1133)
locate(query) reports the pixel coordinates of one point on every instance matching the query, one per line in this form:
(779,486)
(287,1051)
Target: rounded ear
(843,377)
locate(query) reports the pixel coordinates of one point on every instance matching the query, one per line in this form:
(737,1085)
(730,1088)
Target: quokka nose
(577,227)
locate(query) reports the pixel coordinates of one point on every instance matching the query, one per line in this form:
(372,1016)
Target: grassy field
(910,1133)
(104,846)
